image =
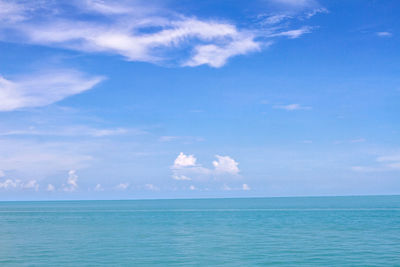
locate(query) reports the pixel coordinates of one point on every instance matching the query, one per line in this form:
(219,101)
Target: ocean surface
(303,231)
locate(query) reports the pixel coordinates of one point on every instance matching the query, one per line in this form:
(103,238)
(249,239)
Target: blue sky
(187,99)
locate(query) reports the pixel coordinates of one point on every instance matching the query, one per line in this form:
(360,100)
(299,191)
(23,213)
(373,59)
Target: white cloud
(366,169)
(2,174)
(41,159)
(50,188)
(98,188)
(184,161)
(18,184)
(388,158)
(11,12)
(226,187)
(126,39)
(246,187)
(32,184)
(217,55)
(139,31)
(384,34)
(274,19)
(106,8)
(384,163)
(192,187)
(183,139)
(296,2)
(292,107)
(390,162)
(359,140)
(243,187)
(394,165)
(226,164)
(186,169)
(122,186)
(168,138)
(315,11)
(293,34)
(181,177)
(151,187)
(72,182)
(43,89)
(9,183)
(73,130)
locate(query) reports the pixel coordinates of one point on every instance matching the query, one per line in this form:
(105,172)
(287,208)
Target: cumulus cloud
(98,188)
(18,184)
(32,184)
(226,164)
(122,186)
(139,31)
(50,188)
(10,183)
(151,187)
(192,187)
(185,168)
(43,89)
(183,161)
(72,182)
(243,187)
(246,187)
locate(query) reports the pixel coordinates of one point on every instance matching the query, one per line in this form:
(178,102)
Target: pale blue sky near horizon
(173,99)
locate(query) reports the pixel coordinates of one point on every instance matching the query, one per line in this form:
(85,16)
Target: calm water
(318,231)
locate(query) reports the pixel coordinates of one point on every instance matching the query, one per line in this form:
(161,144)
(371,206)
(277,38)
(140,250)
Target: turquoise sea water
(314,231)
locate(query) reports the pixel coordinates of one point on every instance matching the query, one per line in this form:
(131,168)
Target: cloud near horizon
(185,168)
(10,184)
(72,182)
(383,163)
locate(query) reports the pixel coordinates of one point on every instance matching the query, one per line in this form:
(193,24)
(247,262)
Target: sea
(289,231)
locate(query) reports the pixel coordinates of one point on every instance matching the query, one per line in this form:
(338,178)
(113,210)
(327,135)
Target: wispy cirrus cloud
(45,88)
(384,34)
(183,139)
(143,32)
(72,131)
(292,107)
(11,12)
(41,159)
(383,163)
(293,34)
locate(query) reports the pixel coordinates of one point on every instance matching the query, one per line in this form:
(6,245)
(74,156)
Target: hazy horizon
(185,99)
